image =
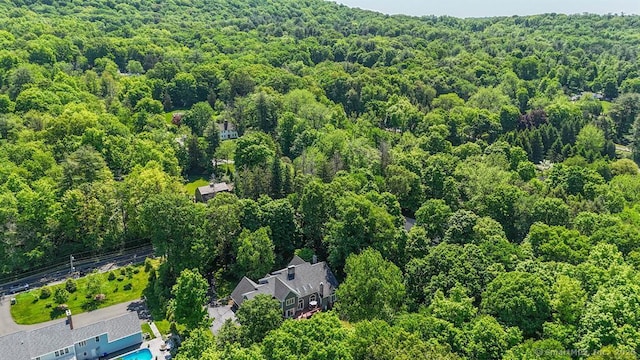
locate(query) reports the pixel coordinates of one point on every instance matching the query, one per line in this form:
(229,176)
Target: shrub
(129,271)
(61,295)
(123,271)
(127,286)
(45,293)
(70,286)
(100,298)
(111,276)
(120,278)
(147,265)
(136,270)
(94,285)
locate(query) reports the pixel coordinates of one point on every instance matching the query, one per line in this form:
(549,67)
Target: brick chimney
(69,319)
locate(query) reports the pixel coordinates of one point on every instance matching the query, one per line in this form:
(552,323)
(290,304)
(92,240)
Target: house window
(97,338)
(300,304)
(312,298)
(290,313)
(82,343)
(57,353)
(38,358)
(66,351)
(290,301)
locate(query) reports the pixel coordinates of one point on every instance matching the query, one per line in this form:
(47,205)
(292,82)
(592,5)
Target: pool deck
(155,345)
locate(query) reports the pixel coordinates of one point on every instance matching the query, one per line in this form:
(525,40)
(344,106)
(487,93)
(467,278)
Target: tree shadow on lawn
(57,312)
(90,305)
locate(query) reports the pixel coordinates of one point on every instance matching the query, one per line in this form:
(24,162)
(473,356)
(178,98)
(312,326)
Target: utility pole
(71,258)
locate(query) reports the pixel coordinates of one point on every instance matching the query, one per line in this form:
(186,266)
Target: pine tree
(537,147)
(287,186)
(276,179)
(635,140)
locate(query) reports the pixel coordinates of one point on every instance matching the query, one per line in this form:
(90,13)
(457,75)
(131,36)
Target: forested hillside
(513,142)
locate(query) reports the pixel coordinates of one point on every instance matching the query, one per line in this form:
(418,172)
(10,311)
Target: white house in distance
(61,341)
(228,131)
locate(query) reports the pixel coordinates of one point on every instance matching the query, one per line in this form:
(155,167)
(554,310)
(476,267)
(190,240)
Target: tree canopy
(513,142)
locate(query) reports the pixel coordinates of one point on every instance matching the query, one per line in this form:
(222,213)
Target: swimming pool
(142,354)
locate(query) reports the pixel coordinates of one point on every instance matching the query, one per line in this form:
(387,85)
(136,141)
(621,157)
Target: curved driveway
(8,326)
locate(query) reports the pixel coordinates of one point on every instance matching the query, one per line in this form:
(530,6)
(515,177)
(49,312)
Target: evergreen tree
(276,178)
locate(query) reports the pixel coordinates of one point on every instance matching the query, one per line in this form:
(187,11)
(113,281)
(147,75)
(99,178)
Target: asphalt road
(102,263)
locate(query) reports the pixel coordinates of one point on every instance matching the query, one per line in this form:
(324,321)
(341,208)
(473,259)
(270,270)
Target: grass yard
(146,329)
(194,183)
(119,285)
(164,326)
(169,115)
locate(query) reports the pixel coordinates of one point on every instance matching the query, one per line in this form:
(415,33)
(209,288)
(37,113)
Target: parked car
(18,288)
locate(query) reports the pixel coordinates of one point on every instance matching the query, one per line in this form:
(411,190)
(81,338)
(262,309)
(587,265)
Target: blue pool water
(142,354)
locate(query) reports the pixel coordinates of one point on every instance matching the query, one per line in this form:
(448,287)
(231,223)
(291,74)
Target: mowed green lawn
(146,329)
(168,116)
(195,183)
(164,326)
(30,309)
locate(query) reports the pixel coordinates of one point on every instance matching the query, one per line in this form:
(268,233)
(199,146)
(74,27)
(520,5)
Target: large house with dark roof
(61,341)
(301,287)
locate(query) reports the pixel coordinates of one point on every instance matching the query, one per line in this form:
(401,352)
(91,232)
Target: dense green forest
(512,141)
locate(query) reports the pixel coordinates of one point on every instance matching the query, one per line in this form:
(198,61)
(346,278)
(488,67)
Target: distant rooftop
(214,188)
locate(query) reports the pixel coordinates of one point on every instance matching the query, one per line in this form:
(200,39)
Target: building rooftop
(32,343)
(48,339)
(306,281)
(13,346)
(214,188)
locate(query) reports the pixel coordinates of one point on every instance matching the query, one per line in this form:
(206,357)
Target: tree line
(512,141)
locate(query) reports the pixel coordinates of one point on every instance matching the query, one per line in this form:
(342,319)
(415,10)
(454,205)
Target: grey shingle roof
(122,326)
(244,286)
(116,328)
(29,344)
(297,260)
(306,281)
(49,339)
(281,289)
(88,332)
(214,188)
(13,346)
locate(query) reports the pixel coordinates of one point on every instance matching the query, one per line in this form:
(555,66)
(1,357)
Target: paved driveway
(8,326)
(220,314)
